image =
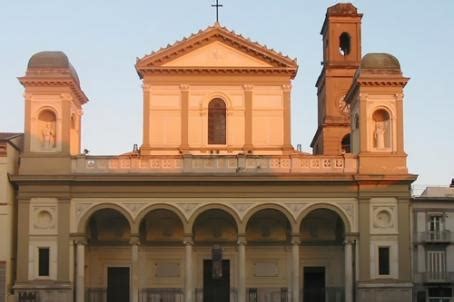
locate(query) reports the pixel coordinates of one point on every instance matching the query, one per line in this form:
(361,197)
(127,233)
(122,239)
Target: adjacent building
(216,204)
(433,244)
(10,146)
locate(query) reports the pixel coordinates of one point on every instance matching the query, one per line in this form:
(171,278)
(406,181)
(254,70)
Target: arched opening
(215,227)
(345,144)
(161,227)
(108,255)
(161,234)
(382,129)
(344,44)
(47,129)
(268,234)
(217,122)
(215,234)
(322,255)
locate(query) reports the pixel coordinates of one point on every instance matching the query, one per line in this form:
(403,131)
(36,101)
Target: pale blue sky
(103,38)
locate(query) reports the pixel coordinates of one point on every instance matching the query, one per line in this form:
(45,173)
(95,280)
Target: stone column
(287,89)
(348,270)
(184,117)
(135,267)
(80,270)
(188,285)
(146,115)
(248,117)
(295,268)
(241,269)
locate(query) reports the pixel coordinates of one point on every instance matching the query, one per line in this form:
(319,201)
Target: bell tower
(53,109)
(376,101)
(341,32)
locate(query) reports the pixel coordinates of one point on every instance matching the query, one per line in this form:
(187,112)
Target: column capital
(350,238)
(296,240)
(80,240)
(188,240)
(146,87)
(287,87)
(134,240)
(248,87)
(242,240)
(184,87)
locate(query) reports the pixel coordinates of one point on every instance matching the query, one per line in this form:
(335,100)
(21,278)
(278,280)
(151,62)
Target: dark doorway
(118,284)
(216,290)
(314,284)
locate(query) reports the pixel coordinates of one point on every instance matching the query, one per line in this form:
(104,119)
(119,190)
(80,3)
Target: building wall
(8,165)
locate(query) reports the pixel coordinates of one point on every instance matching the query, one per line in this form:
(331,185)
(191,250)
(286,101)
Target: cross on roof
(217,5)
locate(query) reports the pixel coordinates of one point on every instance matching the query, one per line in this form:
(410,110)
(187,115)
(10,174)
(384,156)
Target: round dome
(51,60)
(380,61)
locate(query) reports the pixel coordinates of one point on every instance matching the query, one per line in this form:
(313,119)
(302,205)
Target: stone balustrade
(236,164)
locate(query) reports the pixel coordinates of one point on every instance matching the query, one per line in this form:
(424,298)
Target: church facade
(216,204)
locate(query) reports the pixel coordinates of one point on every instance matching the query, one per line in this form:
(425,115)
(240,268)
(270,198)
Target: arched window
(382,129)
(217,122)
(346,144)
(344,44)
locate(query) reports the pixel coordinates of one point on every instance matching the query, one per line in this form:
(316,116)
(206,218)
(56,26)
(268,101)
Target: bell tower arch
(341,34)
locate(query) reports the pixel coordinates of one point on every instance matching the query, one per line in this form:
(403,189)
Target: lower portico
(168,257)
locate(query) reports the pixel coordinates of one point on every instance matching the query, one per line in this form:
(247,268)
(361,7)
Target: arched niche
(322,226)
(215,226)
(47,128)
(268,226)
(381,129)
(108,227)
(161,226)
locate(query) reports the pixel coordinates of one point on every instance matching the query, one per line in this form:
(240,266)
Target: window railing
(435,236)
(437,277)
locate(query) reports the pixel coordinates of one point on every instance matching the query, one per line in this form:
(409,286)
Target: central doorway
(118,284)
(314,284)
(216,289)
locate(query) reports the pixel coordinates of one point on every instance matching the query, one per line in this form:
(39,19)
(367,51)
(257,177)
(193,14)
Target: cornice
(219,71)
(28,81)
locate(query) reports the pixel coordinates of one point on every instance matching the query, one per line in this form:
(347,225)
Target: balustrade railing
(437,277)
(215,163)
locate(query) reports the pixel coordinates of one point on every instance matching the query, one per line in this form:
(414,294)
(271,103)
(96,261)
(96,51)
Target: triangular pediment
(217,54)
(216,48)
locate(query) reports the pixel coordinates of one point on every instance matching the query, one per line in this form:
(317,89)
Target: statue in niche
(379,134)
(48,135)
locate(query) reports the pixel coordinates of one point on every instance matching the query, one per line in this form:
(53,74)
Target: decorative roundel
(343,107)
(44,219)
(383,219)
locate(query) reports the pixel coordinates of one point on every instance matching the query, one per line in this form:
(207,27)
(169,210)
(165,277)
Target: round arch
(154,207)
(325,206)
(217,95)
(82,225)
(203,209)
(269,206)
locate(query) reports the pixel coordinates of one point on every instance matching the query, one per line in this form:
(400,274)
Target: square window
(383,261)
(43,261)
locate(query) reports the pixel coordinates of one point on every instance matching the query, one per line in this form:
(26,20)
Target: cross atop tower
(217,5)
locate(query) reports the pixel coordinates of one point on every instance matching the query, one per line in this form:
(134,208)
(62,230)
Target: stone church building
(216,204)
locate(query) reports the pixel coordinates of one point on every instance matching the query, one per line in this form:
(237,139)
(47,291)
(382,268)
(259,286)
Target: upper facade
(216,92)
(219,93)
